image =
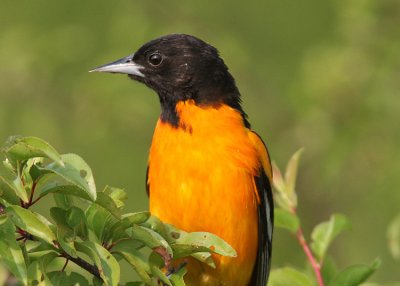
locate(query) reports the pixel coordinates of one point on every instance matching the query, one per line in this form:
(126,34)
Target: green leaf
(85,172)
(109,204)
(177,277)
(291,173)
(286,220)
(278,180)
(42,248)
(97,281)
(184,250)
(59,216)
(44,262)
(76,219)
(75,172)
(158,273)
(25,173)
(289,276)
(199,245)
(58,278)
(165,230)
(34,273)
(286,196)
(134,218)
(11,253)
(206,240)
(104,260)
(324,233)
(65,234)
(7,164)
(23,148)
(380,284)
(135,283)
(328,270)
(150,238)
(63,201)
(33,168)
(16,186)
(204,257)
(355,275)
(8,192)
(127,249)
(118,230)
(118,195)
(31,222)
(393,237)
(66,238)
(57,184)
(100,221)
(20,189)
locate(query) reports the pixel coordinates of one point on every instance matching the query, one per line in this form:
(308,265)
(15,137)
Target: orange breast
(201,179)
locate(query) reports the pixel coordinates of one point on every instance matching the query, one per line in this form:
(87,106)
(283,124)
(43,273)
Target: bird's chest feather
(206,160)
(201,178)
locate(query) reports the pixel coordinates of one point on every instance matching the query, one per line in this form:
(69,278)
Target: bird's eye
(155,59)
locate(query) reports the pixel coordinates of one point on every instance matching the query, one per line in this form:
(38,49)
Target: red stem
(35,201)
(315,265)
(32,192)
(302,241)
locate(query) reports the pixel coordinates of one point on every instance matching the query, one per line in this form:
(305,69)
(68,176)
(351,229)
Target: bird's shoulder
(262,152)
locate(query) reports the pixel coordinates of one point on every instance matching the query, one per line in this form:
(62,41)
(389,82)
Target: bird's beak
(125,66)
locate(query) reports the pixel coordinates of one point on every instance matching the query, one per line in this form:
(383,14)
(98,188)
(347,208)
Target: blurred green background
(324,75)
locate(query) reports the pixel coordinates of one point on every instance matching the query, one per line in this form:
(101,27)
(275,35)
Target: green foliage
(289,276)
(355,274)
(393,235)
(322,236)
(85,227)
(89,229)
(324,233)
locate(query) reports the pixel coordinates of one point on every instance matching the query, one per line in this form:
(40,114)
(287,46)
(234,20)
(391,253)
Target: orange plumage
(201,179)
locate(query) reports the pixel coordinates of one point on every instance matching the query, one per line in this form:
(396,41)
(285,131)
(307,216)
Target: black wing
(265,229)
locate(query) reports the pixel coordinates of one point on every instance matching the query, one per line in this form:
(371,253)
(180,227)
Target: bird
(207,169)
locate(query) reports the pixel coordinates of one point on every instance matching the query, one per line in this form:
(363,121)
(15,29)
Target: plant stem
(35,201)
(32,192)
(92,269)
(65,264)
(314,264)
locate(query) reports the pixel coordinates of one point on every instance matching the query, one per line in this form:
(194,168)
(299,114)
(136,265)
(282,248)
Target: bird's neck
(192,117)
(173,107)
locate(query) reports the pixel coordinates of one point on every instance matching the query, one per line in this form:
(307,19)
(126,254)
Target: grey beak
(124,66)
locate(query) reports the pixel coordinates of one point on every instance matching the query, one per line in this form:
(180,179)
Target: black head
(180,67)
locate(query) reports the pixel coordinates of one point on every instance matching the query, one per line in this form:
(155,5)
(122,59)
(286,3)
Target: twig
(65,264)
(32,192)
(314,264)
(35,201)
(92,269)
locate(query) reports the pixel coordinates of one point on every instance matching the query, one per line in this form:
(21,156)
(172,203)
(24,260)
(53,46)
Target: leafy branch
(89,228)
(286,217)
(86,227)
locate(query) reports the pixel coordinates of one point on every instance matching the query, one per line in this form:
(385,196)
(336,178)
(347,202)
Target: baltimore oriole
(207,170)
